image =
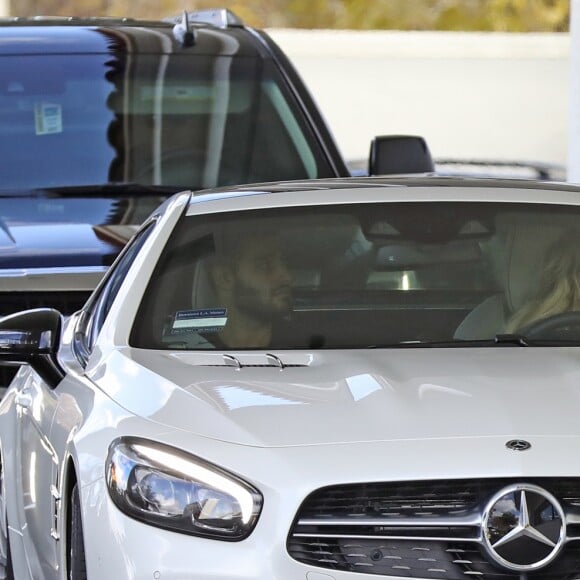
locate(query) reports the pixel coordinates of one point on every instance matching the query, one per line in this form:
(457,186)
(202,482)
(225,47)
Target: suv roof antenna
(183,32)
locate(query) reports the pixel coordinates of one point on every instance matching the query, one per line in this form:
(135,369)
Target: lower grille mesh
(403,559)
(437,560)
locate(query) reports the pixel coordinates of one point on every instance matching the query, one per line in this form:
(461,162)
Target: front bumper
(120,547)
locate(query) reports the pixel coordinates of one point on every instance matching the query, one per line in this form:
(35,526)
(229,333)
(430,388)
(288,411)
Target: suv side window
(98,307)
(280,146)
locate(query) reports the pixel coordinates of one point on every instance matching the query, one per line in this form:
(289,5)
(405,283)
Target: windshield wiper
(499,339)
(424,344)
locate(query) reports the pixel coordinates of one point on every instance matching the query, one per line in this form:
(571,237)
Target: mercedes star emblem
(518,445)
(523,527)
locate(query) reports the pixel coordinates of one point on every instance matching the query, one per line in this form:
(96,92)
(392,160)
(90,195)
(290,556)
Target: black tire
(77,569)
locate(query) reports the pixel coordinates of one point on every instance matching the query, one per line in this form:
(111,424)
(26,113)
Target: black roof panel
(21,36)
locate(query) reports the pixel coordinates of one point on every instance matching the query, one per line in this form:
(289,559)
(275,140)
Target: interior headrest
(202,290)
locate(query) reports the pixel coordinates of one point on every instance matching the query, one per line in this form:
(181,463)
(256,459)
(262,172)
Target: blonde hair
(559,286)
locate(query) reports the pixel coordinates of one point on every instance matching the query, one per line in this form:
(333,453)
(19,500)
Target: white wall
(574,105)
(471,95)
(4,8)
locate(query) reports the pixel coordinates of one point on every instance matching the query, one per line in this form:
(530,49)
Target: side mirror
(33,337)
(392,154)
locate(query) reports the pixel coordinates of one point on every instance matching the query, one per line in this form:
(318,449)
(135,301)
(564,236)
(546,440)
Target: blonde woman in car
(558,289)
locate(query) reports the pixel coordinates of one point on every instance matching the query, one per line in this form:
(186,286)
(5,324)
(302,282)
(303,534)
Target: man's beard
(252,303)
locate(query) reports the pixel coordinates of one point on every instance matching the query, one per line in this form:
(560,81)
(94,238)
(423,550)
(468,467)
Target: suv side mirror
(391,154)
(33,337)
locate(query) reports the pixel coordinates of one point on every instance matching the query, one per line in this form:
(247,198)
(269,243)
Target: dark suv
(102,119)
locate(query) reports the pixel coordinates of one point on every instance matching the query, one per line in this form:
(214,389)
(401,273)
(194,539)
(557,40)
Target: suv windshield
(367,275)
(187,120)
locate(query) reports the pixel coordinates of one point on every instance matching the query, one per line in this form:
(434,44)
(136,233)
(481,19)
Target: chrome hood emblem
(518,445)
(524,527)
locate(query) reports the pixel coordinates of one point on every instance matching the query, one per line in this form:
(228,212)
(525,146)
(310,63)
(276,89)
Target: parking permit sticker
(201,320)
(47,118)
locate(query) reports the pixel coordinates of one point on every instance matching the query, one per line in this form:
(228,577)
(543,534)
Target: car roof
(398,188)
(73,35)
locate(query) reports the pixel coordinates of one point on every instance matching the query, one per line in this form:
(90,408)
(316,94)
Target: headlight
(168,488)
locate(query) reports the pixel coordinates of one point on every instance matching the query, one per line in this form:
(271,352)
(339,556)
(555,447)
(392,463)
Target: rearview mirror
(397,154)
(32,337)
(414,257)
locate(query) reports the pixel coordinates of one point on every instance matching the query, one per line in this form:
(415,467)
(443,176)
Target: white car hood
(353,396)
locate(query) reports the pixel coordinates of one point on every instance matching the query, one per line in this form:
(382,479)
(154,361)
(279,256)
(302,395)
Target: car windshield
(186,120)
(367,275)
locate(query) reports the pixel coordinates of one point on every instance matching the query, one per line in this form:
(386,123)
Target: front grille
(425,529)
(65,302)
(395,499)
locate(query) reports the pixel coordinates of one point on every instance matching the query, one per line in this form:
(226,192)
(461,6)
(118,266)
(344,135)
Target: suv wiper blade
(109,189)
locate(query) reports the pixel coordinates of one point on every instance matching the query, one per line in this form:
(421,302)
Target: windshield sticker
(202,320)
(47,118)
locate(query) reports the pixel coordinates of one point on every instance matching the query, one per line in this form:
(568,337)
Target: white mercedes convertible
(323,380)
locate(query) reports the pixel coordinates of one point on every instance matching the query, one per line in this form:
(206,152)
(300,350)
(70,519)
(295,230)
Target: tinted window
(177,119)
(363,276)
